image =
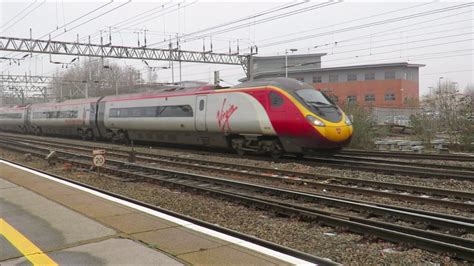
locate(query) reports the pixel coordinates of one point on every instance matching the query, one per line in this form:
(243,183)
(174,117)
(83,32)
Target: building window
(370,97)
(333,78)
(389,74)
(389,97)
(351,99)
(351,77)
(317,79)
(410,76)
(370,76)
(300,79)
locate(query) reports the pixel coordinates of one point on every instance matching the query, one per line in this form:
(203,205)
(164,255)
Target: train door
(27,119)
(100,118)
(200,113)
(277,105)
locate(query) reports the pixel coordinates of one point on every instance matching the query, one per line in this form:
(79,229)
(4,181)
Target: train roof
(170,91)
(72,102)
(13,108)
(287,84)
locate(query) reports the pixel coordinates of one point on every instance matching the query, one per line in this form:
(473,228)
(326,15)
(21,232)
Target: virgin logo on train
(223,117)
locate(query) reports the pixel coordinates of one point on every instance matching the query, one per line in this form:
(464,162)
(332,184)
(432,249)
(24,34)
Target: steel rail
(371,167)
(444,157)
(252,239)
(390,168)
(418,164)
(214,186)
(301,178)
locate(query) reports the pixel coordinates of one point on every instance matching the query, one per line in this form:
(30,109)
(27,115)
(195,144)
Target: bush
(424,126)
(363,123)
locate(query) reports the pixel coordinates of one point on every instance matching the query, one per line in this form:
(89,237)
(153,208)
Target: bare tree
(97,78)
(469,90)
(447,112)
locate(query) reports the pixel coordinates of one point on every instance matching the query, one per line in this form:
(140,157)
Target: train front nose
(338,133)
(331,134)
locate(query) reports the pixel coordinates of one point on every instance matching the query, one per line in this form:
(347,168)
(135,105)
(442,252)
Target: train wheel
(90,135)
(240,152)
(276,155)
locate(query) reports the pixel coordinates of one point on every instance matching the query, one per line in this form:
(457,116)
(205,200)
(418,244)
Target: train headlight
(348,121)
(315,121)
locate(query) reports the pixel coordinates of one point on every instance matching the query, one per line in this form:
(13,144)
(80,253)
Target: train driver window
(275,99)
(201,105)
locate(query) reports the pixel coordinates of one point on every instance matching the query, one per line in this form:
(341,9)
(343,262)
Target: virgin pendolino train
(273,116)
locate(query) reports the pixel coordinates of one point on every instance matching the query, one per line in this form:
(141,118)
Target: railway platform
(44,220)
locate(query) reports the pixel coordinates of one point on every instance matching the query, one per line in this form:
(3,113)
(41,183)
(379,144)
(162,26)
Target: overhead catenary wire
(137,17)
(336,44)
(89,20)
(375,47)
(381,33)
(259,14)
(428,58)
(446,72)
(346,22)
(78,18)
(371,24)
(29,12)
(98,16)
(18,14)
(39,55)
(279,16)
(372,60)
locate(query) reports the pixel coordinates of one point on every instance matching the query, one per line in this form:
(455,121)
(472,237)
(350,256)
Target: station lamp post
(286,60)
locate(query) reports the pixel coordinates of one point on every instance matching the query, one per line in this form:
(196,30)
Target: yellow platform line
(24,245)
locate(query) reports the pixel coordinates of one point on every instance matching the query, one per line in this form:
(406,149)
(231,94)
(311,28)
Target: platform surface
(45,221)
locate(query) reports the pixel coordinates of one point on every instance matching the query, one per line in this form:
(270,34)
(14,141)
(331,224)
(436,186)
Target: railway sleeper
(457,251)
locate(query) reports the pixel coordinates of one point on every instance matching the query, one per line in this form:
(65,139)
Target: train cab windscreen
(319,104)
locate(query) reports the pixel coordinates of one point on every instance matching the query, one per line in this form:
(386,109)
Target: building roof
(290,56)
(399,64)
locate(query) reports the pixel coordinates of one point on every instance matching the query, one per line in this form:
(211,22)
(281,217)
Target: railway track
(390,167)
(211,226)
(360,163)
(432,231)
(418,194)
(408,163)
(405,155)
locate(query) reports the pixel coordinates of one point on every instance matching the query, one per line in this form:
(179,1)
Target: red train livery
(273,116)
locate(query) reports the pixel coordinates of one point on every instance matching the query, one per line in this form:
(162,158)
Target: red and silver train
(273,116)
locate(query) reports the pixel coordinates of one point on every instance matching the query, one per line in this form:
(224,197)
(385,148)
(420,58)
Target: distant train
(272,116)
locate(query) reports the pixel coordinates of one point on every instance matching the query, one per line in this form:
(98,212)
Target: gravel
(292,166)
(312,238)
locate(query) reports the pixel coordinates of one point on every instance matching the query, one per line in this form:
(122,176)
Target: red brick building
(385,92)
(393,85)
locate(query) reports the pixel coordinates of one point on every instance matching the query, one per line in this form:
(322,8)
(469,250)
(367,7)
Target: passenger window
(275,99)
(201,105)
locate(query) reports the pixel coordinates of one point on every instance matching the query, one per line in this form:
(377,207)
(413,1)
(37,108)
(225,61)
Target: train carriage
(68,118)
(267,116)
(196,116)
(14,119)
(273,116)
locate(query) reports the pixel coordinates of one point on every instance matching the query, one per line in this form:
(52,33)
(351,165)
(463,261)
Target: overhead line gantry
(124,52)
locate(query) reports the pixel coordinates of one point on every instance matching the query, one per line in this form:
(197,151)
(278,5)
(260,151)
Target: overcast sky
(437,34)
